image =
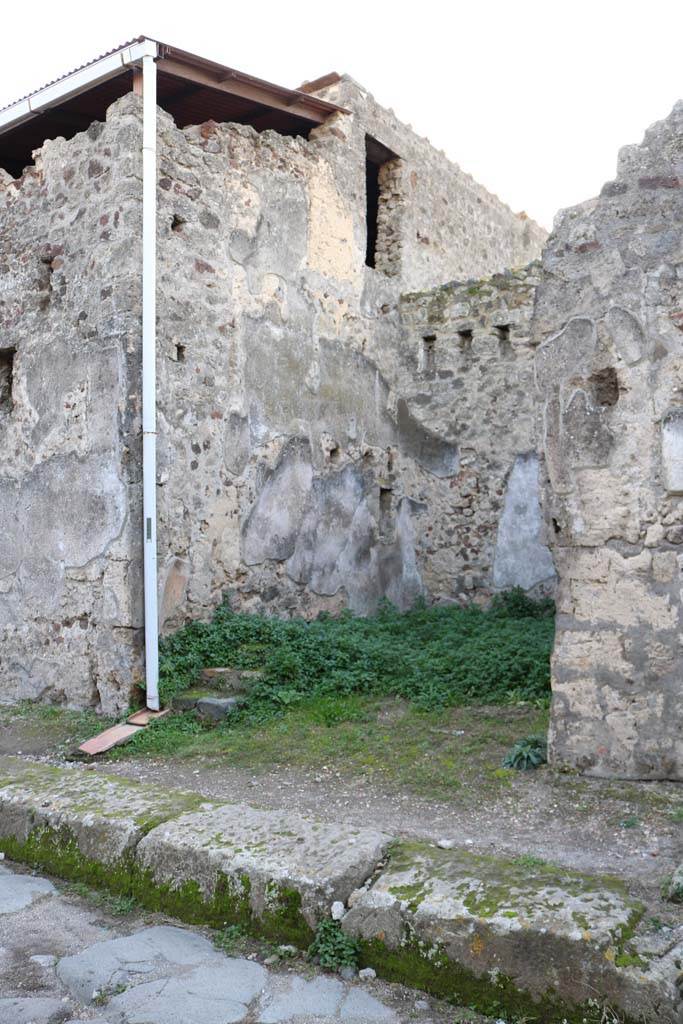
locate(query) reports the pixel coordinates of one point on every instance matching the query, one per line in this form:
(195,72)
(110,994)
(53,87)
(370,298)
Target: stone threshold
(505,937)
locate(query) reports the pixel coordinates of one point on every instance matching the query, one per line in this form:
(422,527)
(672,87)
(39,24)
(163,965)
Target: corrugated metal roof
(89,63)
(167,50)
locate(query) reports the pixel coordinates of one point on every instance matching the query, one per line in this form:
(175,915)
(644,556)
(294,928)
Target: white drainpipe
(149,413)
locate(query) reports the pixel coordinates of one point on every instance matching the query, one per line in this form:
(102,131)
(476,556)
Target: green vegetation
(230,939)
(117,905)
(433,657)
(331,948)
(631,821)
(528,753)
(529,860)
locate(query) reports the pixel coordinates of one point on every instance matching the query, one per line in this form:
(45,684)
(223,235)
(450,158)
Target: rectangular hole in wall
(180,353)
(429,353)
(385,512)
(6,378)
(503,335)
(465,336)
(382,234)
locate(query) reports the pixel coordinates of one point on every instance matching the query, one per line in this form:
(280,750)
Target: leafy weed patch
(432,657)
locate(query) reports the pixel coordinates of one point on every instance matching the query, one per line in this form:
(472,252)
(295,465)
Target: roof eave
(77,82)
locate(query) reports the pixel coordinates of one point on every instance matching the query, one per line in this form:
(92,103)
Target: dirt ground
(630,829)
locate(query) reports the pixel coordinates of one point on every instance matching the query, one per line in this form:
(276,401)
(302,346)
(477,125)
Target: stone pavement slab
(320,999)
(31,1010)
(218,993)
(264,854)
(19,891)
(154,952)
(113,973)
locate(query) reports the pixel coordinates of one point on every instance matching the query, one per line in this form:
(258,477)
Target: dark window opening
(385,512)
(6,378)
(382,237)
(177,222)
(465,335)
(180,353)
(372,194)
(429,353)
(503,332)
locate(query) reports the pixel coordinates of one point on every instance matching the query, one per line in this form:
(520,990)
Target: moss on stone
(282,920)
(57,851)
(428,968)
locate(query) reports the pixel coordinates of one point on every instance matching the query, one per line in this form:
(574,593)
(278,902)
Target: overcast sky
(532,98)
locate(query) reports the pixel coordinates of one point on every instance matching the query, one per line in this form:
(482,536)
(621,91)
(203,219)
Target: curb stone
(543,941)
(275,861)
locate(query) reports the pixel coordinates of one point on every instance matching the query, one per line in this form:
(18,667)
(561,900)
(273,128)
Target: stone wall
(449,227)
(300,469)
(70,579)
(307,461)
(464,369)
(608,323)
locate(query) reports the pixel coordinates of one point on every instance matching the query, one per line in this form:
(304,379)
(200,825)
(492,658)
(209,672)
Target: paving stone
(19,891)
(31,1010)
(217,993)
(297,997)
(359,1005)
(154,951)
(104,815)
(546,928)
(46,960)
(322,862)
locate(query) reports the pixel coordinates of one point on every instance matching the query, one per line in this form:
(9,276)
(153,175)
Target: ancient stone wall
(446,225)
(464,369)
(308,462)
(70,581)
(608,323)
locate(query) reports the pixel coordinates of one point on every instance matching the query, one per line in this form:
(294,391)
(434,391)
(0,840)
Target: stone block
(269,863)
(217,708)
(539,937)
(77,823)
(229,680)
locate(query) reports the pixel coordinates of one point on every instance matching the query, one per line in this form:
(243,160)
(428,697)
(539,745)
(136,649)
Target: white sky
(531,97)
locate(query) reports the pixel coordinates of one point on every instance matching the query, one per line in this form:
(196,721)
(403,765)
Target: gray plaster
(522,559)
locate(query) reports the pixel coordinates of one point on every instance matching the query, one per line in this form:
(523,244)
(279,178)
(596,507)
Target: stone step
(273,872)
(276,866)
(229,680)
(213,705)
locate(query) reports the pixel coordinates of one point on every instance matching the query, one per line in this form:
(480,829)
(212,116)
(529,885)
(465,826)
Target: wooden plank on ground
(109,738)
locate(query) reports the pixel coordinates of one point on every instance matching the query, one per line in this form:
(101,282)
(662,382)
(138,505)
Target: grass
(116,905)
(430,753)
(44,725)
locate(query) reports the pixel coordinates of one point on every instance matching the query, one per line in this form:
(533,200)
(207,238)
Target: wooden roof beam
(287,101)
